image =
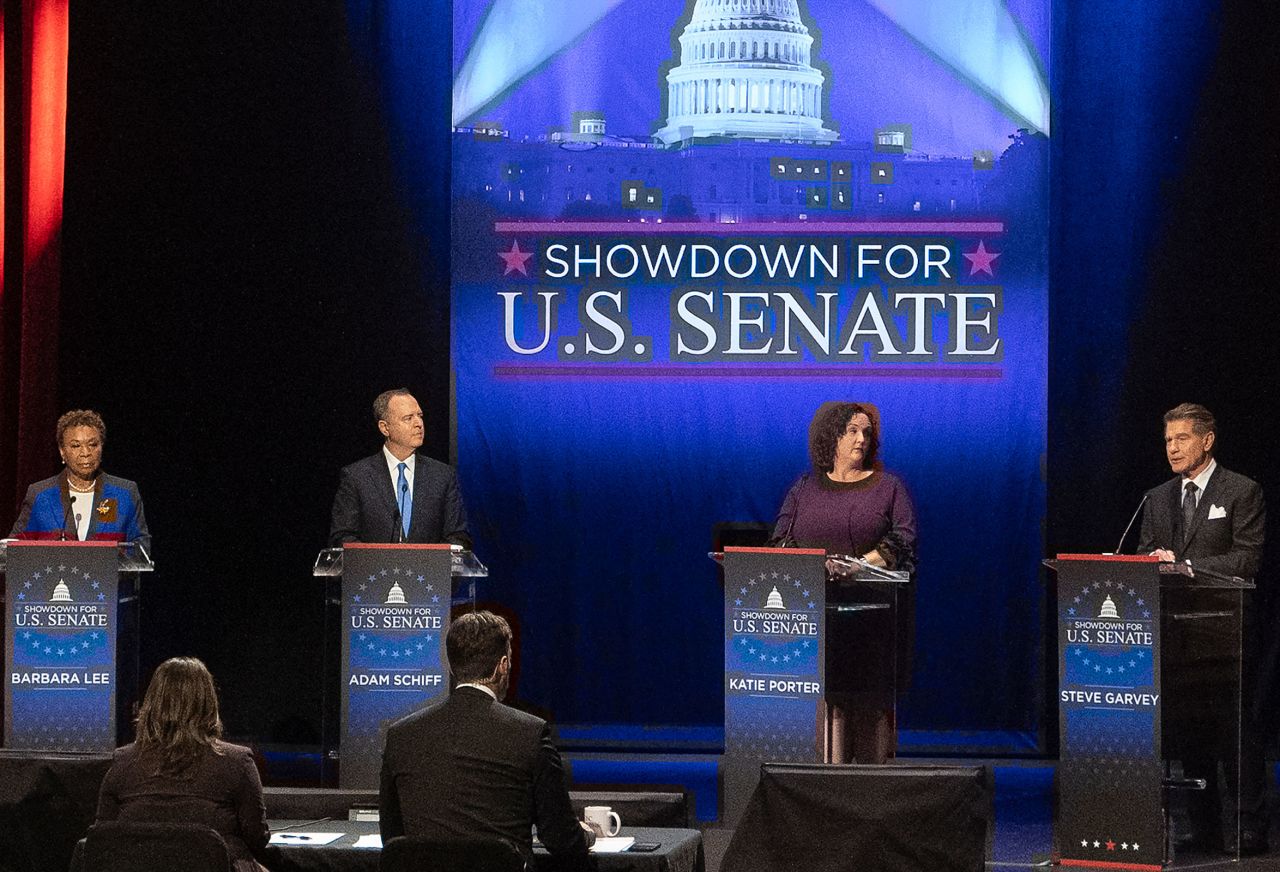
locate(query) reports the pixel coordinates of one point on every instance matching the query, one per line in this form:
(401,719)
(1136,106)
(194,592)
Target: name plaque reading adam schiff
(60,646)
(395,605)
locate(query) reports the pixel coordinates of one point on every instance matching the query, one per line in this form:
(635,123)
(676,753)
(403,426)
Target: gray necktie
(1188,509)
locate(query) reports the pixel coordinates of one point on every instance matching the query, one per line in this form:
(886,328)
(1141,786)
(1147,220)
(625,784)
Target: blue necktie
(406,500)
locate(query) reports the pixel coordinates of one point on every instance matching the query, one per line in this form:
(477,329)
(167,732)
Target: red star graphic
(1111,846)
(515,259)
(981,260)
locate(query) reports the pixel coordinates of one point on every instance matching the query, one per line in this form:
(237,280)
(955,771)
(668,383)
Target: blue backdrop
(1108,168)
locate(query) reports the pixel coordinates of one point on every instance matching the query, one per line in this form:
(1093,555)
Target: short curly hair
(829,424)
(81,418)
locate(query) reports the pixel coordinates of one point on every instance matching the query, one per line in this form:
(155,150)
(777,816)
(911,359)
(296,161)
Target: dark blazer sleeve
(390,818)
(344,521)
(1248,514)
(455,514)
(1150,535)
(24,513)
(251,808)
(558,827)
(137,530)
(109,795)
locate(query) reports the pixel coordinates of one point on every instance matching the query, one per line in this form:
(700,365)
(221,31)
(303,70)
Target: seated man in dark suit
(468,766)
(398,494)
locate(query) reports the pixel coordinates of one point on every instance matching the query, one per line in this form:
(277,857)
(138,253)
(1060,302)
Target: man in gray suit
(469,767)
(398,494)
(1213,519)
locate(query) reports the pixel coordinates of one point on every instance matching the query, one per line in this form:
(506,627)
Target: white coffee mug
(599,817)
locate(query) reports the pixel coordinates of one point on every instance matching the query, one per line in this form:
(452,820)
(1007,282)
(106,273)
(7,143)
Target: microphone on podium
(1131,520)
(65,517)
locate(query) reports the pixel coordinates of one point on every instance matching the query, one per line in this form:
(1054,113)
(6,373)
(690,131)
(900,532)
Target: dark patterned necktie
(1188,509)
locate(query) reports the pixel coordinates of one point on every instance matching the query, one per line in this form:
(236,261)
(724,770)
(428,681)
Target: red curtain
(32,160)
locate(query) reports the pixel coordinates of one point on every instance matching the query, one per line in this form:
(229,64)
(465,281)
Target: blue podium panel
(774,619)
(395,607)
(1109,703)
(60,646)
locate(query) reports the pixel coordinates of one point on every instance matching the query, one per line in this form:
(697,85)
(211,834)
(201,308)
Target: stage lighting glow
(982,42)
(516,38)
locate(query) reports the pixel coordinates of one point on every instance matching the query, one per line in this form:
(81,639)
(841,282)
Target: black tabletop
(678,850)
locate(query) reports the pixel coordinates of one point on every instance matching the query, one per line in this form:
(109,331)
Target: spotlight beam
(983,43)
(515,39)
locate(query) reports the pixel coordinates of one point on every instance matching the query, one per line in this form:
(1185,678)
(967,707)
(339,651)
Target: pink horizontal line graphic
(821,228)
(654,371)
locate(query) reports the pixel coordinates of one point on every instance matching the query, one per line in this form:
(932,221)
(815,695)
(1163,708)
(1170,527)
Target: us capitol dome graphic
(61,593)
(745,71)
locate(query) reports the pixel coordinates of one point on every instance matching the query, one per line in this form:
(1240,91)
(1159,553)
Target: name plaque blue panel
(60,646)
(395,608)
(774,617)
(1109,701)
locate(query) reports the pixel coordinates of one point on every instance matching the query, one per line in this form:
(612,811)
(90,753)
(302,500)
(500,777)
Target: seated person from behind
(469,767)
(178,770)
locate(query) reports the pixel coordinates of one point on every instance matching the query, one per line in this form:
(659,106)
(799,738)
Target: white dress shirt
(393,467)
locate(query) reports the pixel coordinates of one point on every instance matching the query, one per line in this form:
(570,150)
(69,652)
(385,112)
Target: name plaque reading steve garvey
(395,605)
(60,646)
(1109,770)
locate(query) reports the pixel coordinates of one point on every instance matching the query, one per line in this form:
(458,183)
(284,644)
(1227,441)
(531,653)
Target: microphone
(65,513)
(1131,520)
(397,533)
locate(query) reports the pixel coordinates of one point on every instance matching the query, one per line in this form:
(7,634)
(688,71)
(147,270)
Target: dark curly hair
(81,418)
(829,424)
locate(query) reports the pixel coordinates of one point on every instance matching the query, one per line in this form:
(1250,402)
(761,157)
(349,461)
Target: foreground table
(679,851)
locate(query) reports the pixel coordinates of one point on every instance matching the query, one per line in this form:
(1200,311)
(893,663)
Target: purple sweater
(851,517)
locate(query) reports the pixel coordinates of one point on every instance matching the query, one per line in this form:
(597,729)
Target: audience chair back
(416,854)
(117,846)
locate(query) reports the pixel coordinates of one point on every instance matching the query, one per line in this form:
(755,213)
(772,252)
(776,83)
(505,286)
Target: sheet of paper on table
(614,845)
(373,841)
(305,838)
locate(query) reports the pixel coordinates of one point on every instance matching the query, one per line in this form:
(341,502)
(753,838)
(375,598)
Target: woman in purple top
(849,505)
(180,771)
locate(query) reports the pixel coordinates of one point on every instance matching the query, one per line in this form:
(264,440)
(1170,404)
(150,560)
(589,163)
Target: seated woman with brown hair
(178,769)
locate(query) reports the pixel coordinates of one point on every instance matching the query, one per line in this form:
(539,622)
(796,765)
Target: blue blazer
(115,514)
(364,509)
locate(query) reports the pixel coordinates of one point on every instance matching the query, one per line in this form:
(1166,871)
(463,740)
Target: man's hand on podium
(1164,554)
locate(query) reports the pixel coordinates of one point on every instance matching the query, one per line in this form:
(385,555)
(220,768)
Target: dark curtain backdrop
(241,275)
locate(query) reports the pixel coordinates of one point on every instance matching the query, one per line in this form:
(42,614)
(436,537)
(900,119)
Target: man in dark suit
(469,766)
(398,494)
(1214,520)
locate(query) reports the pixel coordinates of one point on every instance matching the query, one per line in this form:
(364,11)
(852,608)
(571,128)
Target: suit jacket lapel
(93,508)
(1202,508)
(68,516)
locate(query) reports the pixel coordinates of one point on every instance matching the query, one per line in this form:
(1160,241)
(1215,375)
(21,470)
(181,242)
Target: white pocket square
(1216,512)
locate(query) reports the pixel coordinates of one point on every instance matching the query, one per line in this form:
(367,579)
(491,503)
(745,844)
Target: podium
(1149,658)
(779,607)
(393,603)
(70,643)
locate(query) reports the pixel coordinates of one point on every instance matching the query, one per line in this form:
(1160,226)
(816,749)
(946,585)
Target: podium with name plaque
(1149,667)
(779,606)
(394,602)
(70,643)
